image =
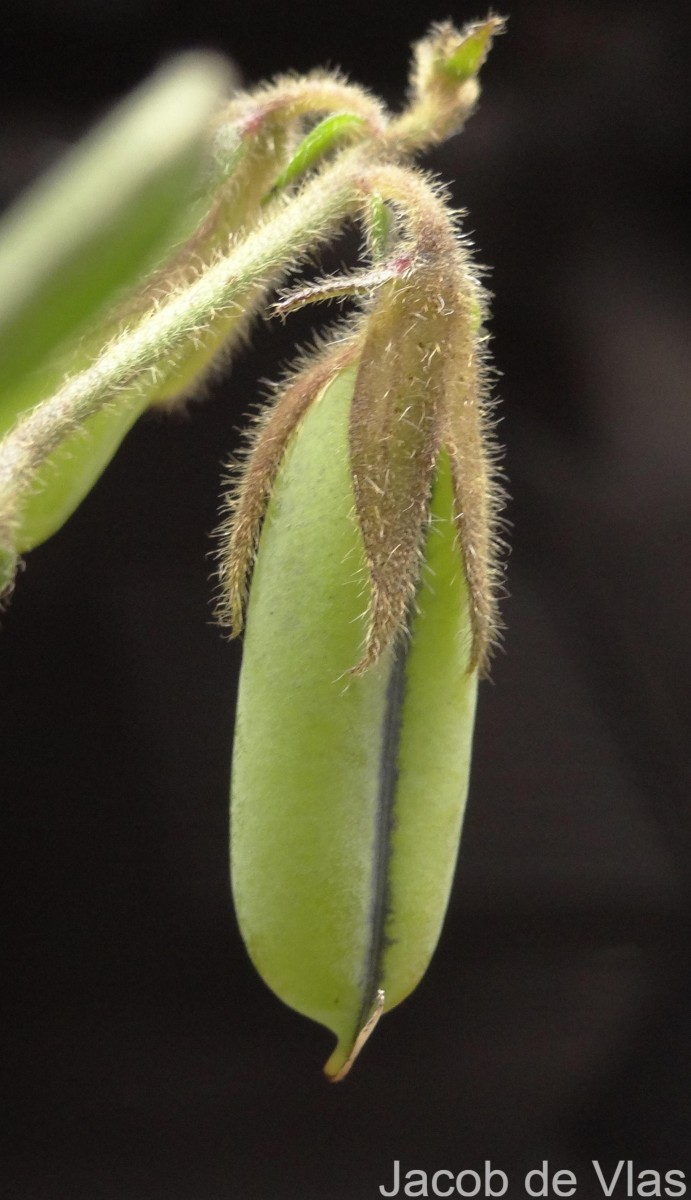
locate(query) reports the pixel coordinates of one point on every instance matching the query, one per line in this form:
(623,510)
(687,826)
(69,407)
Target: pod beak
(343,1057)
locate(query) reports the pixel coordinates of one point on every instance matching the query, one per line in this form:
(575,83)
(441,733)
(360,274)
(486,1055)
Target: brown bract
(420,388)
(394,442)
(247,502)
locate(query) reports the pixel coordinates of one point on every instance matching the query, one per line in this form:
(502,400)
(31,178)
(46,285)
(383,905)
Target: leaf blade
(90,228)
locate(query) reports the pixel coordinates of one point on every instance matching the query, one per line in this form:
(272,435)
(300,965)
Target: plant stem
(192,322)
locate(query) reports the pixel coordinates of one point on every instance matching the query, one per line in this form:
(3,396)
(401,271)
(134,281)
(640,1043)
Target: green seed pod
(348,790)
(369,500)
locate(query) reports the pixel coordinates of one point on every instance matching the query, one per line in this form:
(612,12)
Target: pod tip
(345,1053)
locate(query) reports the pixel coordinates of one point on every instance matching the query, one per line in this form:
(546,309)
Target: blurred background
(145,1060)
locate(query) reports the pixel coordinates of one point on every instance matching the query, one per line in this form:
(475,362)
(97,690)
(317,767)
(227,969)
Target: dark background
(145,1060)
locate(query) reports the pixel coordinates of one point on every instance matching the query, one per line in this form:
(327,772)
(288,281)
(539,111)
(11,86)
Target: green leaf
(70,474)
(469,56)
(327,134)
(380,227)
(99,219)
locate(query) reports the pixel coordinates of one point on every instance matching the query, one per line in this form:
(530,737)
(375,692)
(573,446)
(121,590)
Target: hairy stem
(144,358)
